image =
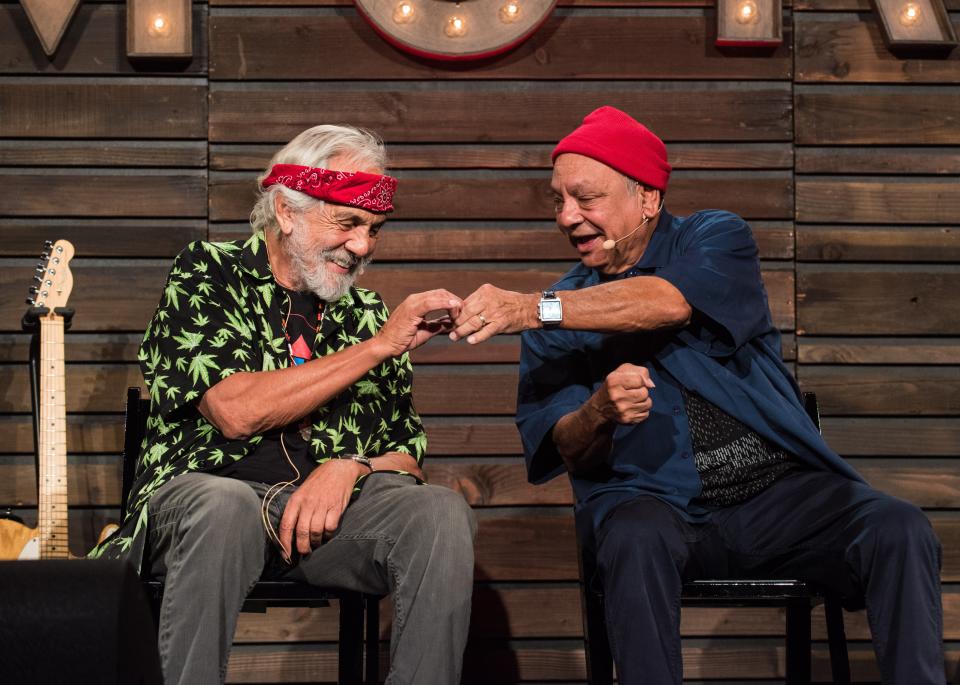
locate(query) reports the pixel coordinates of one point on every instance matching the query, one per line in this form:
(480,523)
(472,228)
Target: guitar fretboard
(52,498)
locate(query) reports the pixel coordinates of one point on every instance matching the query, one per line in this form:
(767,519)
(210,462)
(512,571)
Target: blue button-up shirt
(729,353)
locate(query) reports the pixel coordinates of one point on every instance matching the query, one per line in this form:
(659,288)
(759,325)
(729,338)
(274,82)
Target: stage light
(915,25)
(749,23)
(159,28)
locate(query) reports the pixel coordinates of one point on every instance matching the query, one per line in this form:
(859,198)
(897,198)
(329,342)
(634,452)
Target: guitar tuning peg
(40,269)
(33,290)
(48,244)
(38,278)
(45,256)
(31,301)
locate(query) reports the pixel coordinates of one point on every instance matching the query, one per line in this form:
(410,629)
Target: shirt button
(684,455)
(676,410)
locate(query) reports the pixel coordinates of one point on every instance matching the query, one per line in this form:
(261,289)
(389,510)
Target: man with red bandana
(651,374)
(282,441)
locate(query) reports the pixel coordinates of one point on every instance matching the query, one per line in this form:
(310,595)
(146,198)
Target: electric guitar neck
(49,540)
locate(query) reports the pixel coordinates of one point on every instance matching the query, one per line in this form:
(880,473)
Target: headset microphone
(610,243)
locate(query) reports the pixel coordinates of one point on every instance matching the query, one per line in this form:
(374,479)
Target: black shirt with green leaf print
(220,313)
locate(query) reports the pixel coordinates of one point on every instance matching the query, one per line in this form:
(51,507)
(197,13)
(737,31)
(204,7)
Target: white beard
(312,274)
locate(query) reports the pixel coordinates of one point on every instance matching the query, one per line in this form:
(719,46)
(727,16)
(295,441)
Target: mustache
(345,258)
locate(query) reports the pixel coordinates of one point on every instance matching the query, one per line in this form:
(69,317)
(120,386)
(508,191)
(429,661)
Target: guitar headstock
(53,280)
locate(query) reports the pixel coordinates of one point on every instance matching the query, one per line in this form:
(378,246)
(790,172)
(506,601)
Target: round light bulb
(404,13)
(910,15)
(455,27)
(747,12)
(510,12)
(159,26)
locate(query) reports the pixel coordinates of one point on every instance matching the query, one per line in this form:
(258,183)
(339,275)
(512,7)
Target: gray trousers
(208,545)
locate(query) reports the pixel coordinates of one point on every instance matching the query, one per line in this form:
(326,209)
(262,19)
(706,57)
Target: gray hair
(315,147)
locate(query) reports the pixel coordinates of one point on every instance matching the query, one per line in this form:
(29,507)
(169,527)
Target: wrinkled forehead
(577,174)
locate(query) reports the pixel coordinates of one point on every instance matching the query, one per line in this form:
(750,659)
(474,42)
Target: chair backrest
(813,408)
(134,427)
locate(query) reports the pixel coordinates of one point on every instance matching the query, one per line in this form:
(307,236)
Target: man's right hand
(406,329)
(624,396)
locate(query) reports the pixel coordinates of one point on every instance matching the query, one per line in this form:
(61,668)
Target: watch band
(360,459)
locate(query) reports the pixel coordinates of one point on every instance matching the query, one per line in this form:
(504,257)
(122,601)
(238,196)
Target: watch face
(550,310)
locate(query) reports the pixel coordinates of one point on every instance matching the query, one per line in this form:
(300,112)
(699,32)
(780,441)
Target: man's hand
(490,310)
(406,328)
(624,396)
(315,508)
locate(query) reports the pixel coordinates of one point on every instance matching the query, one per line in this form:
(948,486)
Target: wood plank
(575,46)
(879,351)
(68,108)
(429,112)
(96,434)
(916,115)
(878,243)
(876,200)
(850,48)
(91,482)
(103,153)
(878,160)
(404,241)
(932,484)
(851,5)
(893,436)
(725,659)
(894,301)
(95,44)
(886,390)
(712,155)
(149,193)
(497,484)
(103,237)
(123,296)
(95,482)
(753,195)
(554,612)
(107,296)
(102,388)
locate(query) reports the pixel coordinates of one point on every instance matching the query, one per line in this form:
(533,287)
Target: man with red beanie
(651,374)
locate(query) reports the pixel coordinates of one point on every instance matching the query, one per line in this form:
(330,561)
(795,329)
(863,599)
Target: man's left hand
(490,311)
(315,508)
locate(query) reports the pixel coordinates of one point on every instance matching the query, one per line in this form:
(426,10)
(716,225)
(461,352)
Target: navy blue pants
(871,548)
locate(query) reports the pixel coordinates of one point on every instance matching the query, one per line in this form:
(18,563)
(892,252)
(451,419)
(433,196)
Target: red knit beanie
(621,142)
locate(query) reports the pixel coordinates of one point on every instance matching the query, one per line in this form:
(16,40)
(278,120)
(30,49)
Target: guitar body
(17,541)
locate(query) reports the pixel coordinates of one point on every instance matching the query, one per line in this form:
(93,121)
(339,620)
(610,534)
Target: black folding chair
(359,612)
(796,596)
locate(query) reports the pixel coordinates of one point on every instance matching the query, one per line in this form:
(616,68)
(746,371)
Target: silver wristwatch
(550,310)
(360,459)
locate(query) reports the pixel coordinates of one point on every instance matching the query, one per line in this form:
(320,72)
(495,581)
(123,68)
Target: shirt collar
(253,257)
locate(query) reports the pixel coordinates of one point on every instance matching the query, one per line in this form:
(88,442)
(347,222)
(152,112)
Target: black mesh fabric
(734,462)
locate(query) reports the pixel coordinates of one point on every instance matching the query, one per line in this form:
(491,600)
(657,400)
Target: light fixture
(49,19)
(455,27)
(749,23)
(446,30)
(915,24)
(159,28)
(404,13)
(510,12)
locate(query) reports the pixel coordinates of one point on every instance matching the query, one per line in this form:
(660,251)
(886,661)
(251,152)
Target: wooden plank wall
(844,158)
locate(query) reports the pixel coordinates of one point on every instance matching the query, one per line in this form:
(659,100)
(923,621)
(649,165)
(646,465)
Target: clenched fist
(624,396)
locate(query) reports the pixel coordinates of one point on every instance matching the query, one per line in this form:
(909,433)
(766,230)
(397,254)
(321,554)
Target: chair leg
(837,638)
(798,642)
(350,666)
(373,639)
(596,642)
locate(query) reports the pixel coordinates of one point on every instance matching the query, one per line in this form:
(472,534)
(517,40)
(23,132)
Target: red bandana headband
(373,192)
